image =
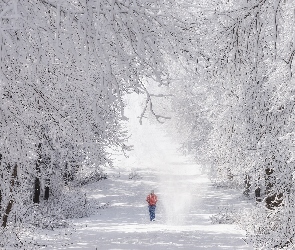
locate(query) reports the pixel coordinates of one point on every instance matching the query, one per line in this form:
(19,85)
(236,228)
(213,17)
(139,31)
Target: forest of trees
(65,68)
(227,65)
(240,117)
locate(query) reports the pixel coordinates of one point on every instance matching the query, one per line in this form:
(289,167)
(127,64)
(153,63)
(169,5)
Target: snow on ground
(187,200)
(185,224)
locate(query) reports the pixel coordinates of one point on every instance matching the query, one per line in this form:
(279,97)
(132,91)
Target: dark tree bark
(257,194)
(0,201)
(273,199)
(11,201)
(46,193)
(66,174)
(41,161)
(36,198)
(247,185)
(7,211)
(0,186)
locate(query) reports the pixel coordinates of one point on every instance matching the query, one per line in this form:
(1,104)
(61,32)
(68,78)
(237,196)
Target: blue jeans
(152,210)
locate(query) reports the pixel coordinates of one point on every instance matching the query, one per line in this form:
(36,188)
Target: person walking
(152,201)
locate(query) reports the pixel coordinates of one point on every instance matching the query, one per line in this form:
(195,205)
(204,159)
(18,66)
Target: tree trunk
(7,211)
(36,198)
(0,187)
(10,203)
(273,199)
(0,201)
(247,185)
(257,194)
(46,194)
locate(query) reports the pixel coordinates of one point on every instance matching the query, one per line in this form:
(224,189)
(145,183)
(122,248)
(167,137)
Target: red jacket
(152,199)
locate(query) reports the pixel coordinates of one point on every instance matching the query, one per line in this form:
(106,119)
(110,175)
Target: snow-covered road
(187,200)
(185,224)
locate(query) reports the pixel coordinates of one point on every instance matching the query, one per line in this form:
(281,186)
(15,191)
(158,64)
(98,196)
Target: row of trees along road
(64,68)
(239,116)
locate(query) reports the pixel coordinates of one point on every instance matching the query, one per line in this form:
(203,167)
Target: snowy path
(184,224)
(187,199)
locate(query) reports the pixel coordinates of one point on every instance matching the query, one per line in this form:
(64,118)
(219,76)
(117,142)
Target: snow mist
(177,176)
(178,188)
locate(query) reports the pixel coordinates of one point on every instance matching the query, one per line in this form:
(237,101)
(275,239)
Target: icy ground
(187,200)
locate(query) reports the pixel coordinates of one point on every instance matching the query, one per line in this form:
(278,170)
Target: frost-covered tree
(254,50)
(64,68)
(249,46)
